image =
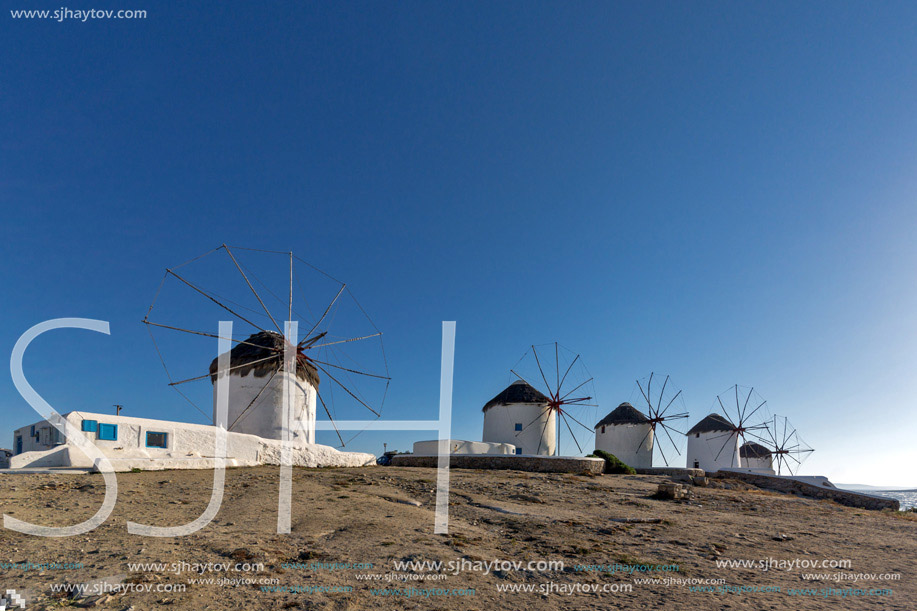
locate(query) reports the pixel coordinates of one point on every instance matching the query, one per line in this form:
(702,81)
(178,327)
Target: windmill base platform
(540,464)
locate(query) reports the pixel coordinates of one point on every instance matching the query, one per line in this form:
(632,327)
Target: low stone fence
(543,464)
(792,486)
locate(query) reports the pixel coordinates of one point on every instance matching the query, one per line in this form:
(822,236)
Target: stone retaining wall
(791,486)
(543,464)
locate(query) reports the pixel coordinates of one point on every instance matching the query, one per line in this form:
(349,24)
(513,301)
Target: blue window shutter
(89,426)
(108,432)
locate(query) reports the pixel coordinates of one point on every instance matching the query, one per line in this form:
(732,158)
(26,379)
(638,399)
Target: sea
(907,498)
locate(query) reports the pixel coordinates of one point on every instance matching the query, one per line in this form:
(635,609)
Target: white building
(144,443)
(521,416)
(713,444)
(256,387)
(627,433)
(254,424)
(461,447)
(36,437)
(756,458)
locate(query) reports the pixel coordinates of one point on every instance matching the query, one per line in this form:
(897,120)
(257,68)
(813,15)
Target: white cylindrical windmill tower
(628,434)
(713,444)
(256,387)
(756,456)
(522,416)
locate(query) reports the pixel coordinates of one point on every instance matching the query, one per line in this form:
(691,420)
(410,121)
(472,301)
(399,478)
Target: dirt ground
(350,527)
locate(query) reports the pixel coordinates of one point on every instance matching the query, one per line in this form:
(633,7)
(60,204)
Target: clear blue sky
(723,192)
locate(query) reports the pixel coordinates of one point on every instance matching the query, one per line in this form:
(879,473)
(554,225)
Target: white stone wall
(458,446)
(44,439)
(704,447)
(265,416)
(631,443)
(189,446)
(500,427)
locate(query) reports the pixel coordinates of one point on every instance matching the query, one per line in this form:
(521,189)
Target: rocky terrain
(351,526)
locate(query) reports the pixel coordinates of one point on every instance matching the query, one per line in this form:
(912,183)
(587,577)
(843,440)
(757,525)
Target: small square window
(108,432)
(89,426)
(518,426)
(157,440)
(519,451)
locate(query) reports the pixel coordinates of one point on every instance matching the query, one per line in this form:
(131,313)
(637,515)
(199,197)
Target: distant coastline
(866,488)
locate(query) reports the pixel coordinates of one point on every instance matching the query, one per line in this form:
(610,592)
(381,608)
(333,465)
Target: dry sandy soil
(380,515)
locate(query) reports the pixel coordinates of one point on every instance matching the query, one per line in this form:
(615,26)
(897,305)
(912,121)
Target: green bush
(612,463)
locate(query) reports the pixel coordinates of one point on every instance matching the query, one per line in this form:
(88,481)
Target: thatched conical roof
(250,357)
(623,414)
(713,422)
(753,450)
(519,391)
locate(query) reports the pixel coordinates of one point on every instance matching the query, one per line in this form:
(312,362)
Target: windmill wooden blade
(564,417)
(541,437)
(662,453)
(257,296)
(541,371)
(569,371)
(645,396)
(580,385)
(537,418)
(215,300)
(725,443)
(661,393)
(756,409)
(560,385)
(669,404)
(744,407)
(658,403)
(343,343)
(786,449)
(577,421)
(328,413)
(251,403)
(674,445)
